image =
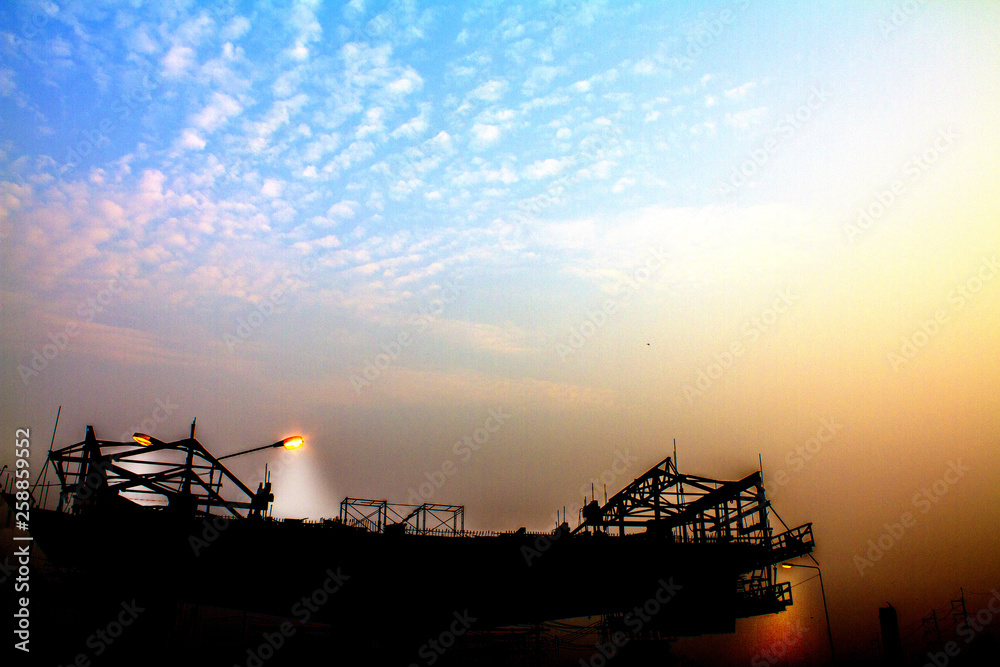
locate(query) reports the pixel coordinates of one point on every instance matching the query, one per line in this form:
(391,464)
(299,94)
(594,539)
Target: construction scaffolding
(381,516)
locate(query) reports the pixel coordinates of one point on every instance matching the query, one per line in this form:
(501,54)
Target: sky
(489,253)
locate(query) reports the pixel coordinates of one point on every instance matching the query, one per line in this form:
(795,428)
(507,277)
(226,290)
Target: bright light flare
(293,442)
(142,439)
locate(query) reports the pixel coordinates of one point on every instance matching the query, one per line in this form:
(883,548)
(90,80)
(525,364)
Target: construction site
(164,538)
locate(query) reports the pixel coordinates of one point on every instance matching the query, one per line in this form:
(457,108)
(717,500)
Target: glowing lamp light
(293,442)
(142,439)
(786,566)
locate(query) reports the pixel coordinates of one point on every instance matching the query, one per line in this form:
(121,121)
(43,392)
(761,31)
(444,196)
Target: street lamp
(145,440)
(291,442)
(826,611)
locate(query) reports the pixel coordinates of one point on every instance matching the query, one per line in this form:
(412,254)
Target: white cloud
(279,114)
(352,155)
(540,78)
(413,127)
(272,188)
(546,168)
(491,91)
(236,28)
(217,112)
(406,84)
(644,66)
(739,92)
(484,135)
(323,144)
(441,140)
(189,139)
(303,20)
(373,123)
(141,41)
(622,184)
(744,119)
(343,210)
(177,61)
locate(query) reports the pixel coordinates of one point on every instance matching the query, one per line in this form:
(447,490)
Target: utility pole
(955,604)
(935,630)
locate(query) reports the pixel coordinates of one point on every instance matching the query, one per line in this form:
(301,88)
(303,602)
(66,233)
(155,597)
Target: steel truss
(94,473)
(688,508)
(381,516)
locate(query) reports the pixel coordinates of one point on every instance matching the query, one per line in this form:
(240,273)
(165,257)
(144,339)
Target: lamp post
(291,442)
(826,611)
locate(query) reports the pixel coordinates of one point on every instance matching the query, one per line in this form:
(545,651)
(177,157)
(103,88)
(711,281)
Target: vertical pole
(965,613)
(826,611)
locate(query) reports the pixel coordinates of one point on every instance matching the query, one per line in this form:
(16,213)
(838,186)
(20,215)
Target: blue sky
(373,222)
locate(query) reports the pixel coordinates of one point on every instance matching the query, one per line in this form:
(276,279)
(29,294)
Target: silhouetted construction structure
(170,524)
